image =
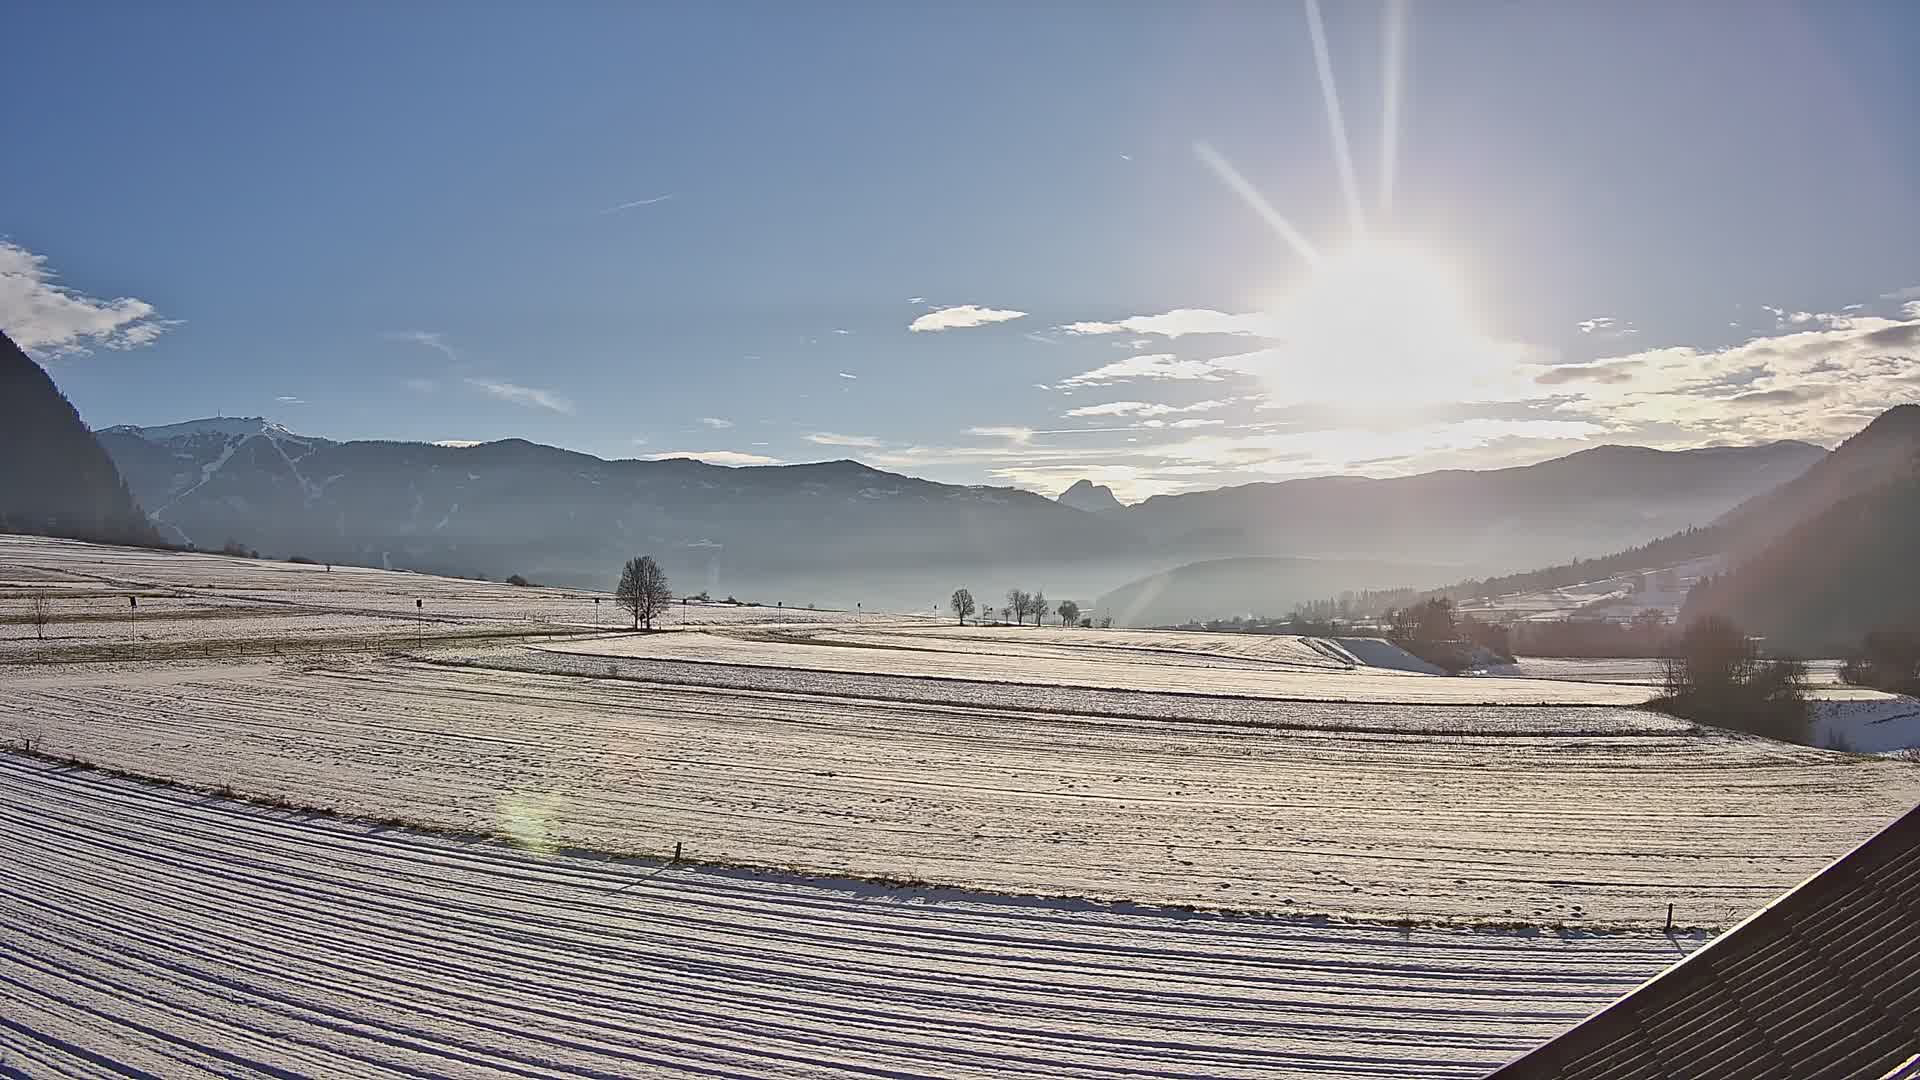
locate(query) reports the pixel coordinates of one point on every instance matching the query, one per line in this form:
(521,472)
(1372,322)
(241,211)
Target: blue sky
(638,230)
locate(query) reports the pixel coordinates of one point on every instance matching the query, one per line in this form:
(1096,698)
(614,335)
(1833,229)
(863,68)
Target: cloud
(1855,367)
(1606,326)
(1148,366)
(1180,322)
(716,457)
(828,438)
(531,396)
(956,318)
(1017,435)
(51,320)
(1602,371)
(456,444)
(1142,408)
(837,330)
(289,399)
(637,202)
(431,339)
(716,423)
(1911,292)
(848,375)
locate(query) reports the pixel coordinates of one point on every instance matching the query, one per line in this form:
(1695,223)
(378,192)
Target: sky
(987,243)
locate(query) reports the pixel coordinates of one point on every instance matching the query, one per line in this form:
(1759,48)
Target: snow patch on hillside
(1874,725)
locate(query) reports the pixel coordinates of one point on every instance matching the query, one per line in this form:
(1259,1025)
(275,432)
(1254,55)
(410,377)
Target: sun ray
(1342,154)
(1394,51)
(1231,177)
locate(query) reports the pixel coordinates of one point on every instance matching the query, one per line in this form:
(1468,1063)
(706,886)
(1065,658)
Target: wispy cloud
(961,317)
(838,330)
(430,338)
(716,423)
(51,320)
(530,396)
(828,438)
(1606,326)
(1142,408)
(637,203)
(717,457)
(1017,435)
(1179,323)
(1147,366)
(848,375)
(1911,292)
(289,399)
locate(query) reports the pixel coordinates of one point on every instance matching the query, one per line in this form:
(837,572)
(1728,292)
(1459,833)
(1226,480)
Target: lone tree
(1038,605)
(962,604)
(42,613)
(643,591)
(1069,613)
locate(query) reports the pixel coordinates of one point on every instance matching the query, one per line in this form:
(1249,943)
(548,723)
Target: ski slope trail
(150,932)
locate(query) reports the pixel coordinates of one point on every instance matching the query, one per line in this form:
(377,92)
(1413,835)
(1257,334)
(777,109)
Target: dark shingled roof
(1822,984)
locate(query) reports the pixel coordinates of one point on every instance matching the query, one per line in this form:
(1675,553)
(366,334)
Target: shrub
(1716,675)
(516,579)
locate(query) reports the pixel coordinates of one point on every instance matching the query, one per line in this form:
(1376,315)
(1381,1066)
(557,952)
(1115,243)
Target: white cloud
(1017,435)
(456,444)
(828,438)
(1850,370)
(1180,322)
(1148,366)
(51,320)
(531,396)
(431,339)
(1196,422)
(637,202)
(1911,292)
(916,299)
(289,399)
(1142,408)
(965,315)
(837,330)
(716,423)
(848,375)
(716,457)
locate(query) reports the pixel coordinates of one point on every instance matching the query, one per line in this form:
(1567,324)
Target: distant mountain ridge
(1587,503)
(55,479)
(842,532)
(1091,497)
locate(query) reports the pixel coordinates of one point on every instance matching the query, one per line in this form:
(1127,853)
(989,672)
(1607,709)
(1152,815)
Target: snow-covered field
(1058,776)
(1584,816)
(146,932)
(1047,658)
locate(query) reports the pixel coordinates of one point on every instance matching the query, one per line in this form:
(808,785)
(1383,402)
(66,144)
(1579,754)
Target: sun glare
(1380,326)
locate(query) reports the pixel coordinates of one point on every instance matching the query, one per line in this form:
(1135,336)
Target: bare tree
(1019,601)
(1069,613)
(962,604)
(42,615)
(1038,605)
(643,591)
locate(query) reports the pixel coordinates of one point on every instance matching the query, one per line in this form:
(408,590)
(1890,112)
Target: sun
(1378,325)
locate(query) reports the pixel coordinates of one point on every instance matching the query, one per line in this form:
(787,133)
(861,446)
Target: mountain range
(842,533)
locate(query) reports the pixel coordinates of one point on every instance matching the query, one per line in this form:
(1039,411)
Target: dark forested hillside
(55,480)
(1852,568)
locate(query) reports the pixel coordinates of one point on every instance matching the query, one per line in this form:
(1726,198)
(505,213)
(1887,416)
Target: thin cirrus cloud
(51,320)
(961,317)
(1179,323)
(1143,408)
(716,423)
(847,375)
(431,339)
(716,457)
(1161,366)
(636,203)
(530,396)
(829,438)
(289,399)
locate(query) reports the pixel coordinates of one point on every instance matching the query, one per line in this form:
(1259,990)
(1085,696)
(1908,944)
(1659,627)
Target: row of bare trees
(1020,605)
